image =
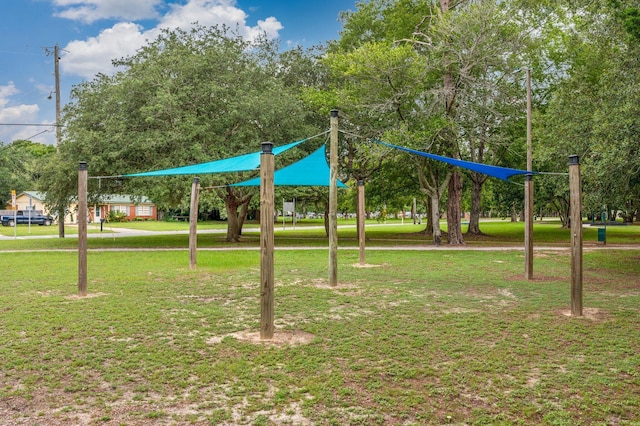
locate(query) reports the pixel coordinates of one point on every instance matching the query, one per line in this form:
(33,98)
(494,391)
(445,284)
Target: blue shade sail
(503,173)
(310,171)
(240,163)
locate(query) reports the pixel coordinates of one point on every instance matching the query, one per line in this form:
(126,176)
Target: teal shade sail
(312,170)
(240,163)
(503,173)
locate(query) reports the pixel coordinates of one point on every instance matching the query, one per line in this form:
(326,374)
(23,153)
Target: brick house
(143,209)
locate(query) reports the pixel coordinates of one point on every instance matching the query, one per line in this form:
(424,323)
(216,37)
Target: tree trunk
(428,230)
(477,181)
(562,209)
(435,220)
(433,189)
(61,214)
(454,213)
(233,228)
(235,219)
(244,208)
(326,219)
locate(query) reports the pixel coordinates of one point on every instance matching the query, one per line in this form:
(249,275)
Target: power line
(37,134)
(32,124)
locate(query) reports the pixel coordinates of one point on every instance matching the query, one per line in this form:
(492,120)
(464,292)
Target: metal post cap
(267,147)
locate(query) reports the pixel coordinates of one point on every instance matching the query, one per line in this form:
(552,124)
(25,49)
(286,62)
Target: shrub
(116,216)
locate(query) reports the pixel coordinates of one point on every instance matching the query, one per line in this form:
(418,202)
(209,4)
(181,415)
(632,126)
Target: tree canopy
(438,76)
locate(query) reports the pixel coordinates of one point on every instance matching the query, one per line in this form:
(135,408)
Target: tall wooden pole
(575,200)
(528,227)
(56,73)
(361,235)
(528,192)
(333,200)
(193,223)
(266,242)
(82,229)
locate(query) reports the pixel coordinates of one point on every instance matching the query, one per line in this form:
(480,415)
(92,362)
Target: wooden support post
(193,223)
(266,242)
(82,229)
(575,200)
(528,191)
(361,218)
(528,227)
(333,200)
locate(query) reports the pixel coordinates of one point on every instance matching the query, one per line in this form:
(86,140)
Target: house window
(122,209)
(143,210)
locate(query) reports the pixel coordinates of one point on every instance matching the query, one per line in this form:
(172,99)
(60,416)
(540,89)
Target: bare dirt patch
(280,338)
(366,265)
(323,284)
(593,314)
(88,296)
(537,278)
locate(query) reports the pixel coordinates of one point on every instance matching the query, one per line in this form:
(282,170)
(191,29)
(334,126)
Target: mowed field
(415,337)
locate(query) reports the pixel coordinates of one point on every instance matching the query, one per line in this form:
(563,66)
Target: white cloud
(205,12)
(88,57)
(271,26)
(89,11)
(16,114)
(6,92)
(19,114)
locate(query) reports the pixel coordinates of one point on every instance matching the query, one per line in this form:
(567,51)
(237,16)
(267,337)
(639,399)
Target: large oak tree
(185,98)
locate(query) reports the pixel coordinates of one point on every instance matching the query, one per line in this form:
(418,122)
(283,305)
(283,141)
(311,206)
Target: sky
(90,33)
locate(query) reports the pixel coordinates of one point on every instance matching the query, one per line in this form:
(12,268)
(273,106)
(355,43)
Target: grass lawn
(309,233)
(430,337)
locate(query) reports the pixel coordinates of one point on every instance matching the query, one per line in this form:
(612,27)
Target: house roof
(33,194)
(105,199)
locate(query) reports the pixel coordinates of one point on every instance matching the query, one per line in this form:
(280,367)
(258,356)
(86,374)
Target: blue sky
(92,32)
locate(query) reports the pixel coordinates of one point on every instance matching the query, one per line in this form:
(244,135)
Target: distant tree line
(439,76)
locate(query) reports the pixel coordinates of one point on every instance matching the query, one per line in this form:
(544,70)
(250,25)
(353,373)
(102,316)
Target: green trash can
(602,235)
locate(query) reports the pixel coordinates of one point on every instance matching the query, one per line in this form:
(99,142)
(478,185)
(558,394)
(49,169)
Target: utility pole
(56,67)
(56,73)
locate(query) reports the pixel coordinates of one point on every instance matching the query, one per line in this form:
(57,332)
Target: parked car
(25,217)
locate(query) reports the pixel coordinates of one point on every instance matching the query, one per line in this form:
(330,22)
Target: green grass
(430,337)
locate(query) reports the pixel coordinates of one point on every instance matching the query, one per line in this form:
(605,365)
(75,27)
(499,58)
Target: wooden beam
(193,223)
(266,242)
(333,200)
(575,200)
(361,218)
(528,227)
(82,229)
